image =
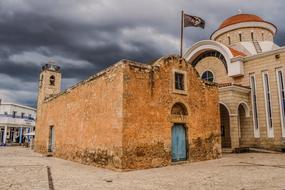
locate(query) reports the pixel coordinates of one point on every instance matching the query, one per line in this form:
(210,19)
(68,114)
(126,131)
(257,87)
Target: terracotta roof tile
(237,53)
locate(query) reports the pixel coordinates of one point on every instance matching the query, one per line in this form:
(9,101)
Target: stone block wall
(148,99)
(267,63)
(121,118)
(88,120)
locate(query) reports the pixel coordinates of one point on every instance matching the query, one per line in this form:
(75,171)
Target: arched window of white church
(254,106)
(52,80)
(268,104)
(210,53)
(208,76)
(240,37)
(252,36)
(281,91)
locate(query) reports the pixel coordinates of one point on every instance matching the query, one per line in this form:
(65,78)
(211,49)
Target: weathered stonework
(121,118)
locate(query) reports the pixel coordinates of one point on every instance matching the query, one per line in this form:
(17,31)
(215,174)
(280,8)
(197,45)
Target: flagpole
(181,33)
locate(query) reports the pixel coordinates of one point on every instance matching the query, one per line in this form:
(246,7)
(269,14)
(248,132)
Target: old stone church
(130,116)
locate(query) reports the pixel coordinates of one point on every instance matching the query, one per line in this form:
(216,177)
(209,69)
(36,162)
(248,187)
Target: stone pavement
(20,168)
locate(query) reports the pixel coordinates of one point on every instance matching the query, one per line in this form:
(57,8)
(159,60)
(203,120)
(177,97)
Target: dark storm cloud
(86,36)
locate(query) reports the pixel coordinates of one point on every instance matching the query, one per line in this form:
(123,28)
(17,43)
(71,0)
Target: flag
(193,21)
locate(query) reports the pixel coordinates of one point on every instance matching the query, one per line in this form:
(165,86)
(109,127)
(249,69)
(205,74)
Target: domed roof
(240,18)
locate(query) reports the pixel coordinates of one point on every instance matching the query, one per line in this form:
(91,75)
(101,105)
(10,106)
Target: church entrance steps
(227,150)
(263,151)
(179,162)
(247,150)
(49,154)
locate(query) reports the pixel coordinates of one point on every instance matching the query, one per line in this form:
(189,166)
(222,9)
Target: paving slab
(21,168)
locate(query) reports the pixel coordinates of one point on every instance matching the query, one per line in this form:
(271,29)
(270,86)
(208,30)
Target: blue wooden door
(178,143)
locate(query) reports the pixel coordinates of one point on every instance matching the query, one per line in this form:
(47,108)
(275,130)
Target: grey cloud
(101,32)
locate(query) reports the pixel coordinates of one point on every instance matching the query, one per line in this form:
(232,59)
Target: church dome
(244,28)
(239,19)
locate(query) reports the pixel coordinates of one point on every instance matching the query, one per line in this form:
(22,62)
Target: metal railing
(16,121)
(17,116)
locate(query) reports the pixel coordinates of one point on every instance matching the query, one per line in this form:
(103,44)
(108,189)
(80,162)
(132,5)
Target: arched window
(179,109)
(52,80)
(229,40)
(210,53)
(208,76)
(240,37)
(252,37)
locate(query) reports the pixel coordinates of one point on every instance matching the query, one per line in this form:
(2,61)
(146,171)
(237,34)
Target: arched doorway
(243,121)
(225,127)
(178,134)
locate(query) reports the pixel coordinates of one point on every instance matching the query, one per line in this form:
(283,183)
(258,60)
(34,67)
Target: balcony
(16,121)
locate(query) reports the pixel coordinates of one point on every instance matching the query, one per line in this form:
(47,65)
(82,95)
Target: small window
(252,37)
(30,116)
(262,36)
(208,76)
(240,37)
(229,40)
(179,81)
(52,80)
(14,114)
(22,115)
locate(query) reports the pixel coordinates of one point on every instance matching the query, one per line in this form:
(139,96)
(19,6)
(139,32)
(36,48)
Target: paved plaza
(21,168)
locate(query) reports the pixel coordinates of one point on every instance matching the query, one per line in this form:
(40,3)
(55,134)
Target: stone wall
(148,99)
(87,119)
(121,118)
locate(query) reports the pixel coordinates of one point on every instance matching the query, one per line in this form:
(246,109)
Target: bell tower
(49,82)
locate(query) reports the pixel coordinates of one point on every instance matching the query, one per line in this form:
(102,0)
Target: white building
(16,122)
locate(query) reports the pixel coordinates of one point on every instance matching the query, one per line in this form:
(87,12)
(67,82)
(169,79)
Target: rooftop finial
(239,11)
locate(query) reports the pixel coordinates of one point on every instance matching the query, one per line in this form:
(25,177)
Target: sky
(83,37)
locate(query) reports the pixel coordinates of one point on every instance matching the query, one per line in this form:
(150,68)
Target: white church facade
(249,67)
